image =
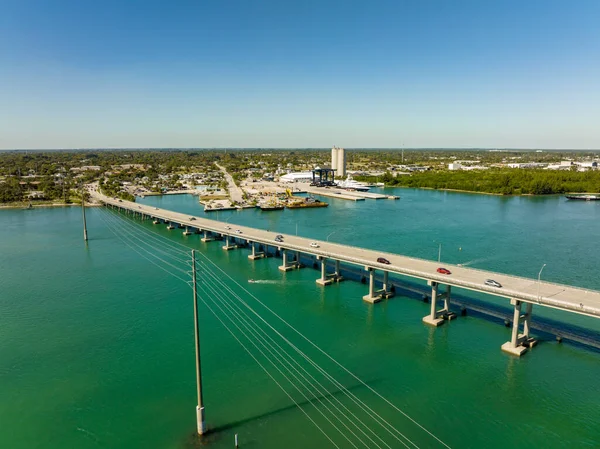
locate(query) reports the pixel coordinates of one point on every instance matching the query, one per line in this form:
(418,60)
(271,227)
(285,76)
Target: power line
(353,397)
(288,363)
(322,351)
(217,281)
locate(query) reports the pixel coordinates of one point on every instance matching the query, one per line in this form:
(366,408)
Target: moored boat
(584,197)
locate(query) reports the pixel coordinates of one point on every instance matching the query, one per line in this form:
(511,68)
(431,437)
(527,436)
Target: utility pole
(200,407)
(85,237)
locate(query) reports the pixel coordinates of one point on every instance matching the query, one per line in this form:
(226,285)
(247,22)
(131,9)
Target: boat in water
(584,197)
(252,281)
(270,205)
(351,184)
(298,203)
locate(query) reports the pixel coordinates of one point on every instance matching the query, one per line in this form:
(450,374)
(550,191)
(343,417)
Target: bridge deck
(564,297)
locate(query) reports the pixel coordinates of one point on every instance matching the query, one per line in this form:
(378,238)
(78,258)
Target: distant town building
(454,166)
(338,160)
(579,166)
(526,165)
(85,168)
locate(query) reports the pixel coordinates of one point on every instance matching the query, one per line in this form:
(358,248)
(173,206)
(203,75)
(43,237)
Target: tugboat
(271,205)
(299,202)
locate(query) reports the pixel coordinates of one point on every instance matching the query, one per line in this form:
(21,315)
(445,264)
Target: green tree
(10,190)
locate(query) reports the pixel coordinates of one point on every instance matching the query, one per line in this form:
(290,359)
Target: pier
(521,293)
(344,194)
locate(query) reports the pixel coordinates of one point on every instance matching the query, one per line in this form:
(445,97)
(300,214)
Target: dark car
(279,236)
(192,219)
(383,260)
(443,271)
(493,283)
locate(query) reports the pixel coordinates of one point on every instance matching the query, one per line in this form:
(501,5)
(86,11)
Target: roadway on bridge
(564,297)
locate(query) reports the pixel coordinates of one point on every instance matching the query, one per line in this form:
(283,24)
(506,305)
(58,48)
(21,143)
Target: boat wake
(89,434)
(474,261)
(273,281)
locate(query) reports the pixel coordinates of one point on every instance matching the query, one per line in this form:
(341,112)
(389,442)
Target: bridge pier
(187,231)
(206,237)
(386,290)
(229,246)
(373,296)
(519,343)
(287,265)
(297,261)
(325,278)
(437,317)
(170,226)
(156,221)
(255,254)
(337,275)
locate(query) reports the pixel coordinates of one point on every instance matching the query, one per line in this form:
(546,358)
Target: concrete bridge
(522,292)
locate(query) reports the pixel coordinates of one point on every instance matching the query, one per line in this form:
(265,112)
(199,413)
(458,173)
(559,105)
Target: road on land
(235,192)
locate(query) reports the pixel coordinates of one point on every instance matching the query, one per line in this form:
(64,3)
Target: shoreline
(479,193)
(37,206)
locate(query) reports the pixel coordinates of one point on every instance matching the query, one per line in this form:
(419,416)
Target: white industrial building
(338,161)
(297,177)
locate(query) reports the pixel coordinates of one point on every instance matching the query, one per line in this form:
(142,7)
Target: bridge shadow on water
(545,329)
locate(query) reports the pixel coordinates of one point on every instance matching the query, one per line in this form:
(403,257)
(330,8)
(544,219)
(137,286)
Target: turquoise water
(96,343)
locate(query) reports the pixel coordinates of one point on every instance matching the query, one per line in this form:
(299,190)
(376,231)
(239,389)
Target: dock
(351,195)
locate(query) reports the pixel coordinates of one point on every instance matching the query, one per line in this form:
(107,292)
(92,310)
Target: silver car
(493,283)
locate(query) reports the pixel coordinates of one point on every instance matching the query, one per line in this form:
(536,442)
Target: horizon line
(294,148)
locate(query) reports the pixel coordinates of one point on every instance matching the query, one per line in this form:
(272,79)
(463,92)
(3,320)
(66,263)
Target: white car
(492,283)
(227,227)
(314,245)
(238,231)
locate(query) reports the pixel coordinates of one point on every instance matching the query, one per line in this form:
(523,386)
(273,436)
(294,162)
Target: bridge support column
(323,280)
(337,276)
(432,319)
(156,221)
(170,226)
(297,261)
(437,317)
(229,246)
(187,231)
(519,343)
(255,254)
(386,291)
(372,297)
(206,237)
(286,266)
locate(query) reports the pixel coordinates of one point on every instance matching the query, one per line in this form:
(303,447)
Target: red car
(443,271)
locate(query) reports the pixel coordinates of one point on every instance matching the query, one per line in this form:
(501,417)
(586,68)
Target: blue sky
(229,73)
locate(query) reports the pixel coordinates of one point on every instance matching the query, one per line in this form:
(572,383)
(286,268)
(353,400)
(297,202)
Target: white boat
(351,184)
